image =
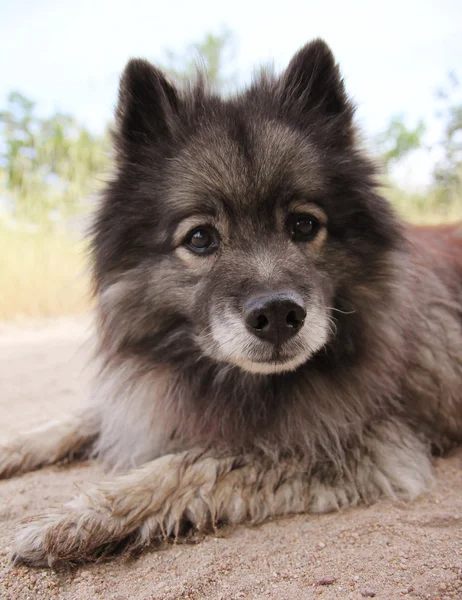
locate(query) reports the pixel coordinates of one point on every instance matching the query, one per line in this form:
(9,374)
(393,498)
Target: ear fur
(147,103)
(312,81)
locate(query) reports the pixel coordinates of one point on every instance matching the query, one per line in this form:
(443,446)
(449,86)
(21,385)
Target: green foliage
(213,54)
(47,166)
(398,140)
(443,199)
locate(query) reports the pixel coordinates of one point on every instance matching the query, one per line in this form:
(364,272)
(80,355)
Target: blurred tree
(398,140)
(448,171)
(47,165)
(17,124)
(214,54)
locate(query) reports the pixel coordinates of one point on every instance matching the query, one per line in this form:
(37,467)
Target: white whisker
(344,312)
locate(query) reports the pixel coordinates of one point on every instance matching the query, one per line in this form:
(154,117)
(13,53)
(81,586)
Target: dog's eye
(303,227)
(202,240)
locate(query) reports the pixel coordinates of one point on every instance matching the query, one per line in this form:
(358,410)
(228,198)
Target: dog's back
(440,246)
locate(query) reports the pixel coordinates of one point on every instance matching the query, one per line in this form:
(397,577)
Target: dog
(272,339)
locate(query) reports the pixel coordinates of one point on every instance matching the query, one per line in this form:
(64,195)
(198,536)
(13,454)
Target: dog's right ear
(312,81)
(147,104)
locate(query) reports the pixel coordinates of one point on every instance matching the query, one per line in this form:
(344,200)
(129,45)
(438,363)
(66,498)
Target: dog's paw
(92,526)
(70,536)
(63,538)
(31,543)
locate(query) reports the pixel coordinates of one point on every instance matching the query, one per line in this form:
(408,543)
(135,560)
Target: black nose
(275,317)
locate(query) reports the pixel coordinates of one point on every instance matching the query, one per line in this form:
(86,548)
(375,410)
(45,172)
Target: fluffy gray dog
(272,338)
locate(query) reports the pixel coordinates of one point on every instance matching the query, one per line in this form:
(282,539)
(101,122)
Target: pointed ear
(147,103)
(312,81)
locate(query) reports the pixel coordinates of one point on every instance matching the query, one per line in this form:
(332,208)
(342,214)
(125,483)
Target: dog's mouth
(276,364)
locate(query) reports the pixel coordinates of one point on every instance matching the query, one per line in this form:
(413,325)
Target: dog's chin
(269,367)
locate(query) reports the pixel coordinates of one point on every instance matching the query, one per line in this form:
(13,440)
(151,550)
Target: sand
(387,551)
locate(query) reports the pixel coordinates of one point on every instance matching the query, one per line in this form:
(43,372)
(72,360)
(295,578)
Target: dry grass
(424,209)
(42,274)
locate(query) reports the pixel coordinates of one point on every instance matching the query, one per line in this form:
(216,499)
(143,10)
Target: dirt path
(390,549)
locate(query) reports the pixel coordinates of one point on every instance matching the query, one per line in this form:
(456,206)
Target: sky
(68,55)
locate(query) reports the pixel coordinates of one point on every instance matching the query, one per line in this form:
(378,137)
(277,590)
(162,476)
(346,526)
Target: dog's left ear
(312,81)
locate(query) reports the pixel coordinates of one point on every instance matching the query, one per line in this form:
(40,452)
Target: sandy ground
(390,550)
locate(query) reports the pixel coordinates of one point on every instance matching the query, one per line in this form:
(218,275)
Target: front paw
(70,536)
(36,540)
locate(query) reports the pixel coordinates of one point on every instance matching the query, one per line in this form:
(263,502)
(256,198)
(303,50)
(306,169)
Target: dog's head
(234,227)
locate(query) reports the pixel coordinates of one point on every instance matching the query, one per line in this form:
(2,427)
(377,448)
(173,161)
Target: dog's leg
(48,444)
(152,502)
